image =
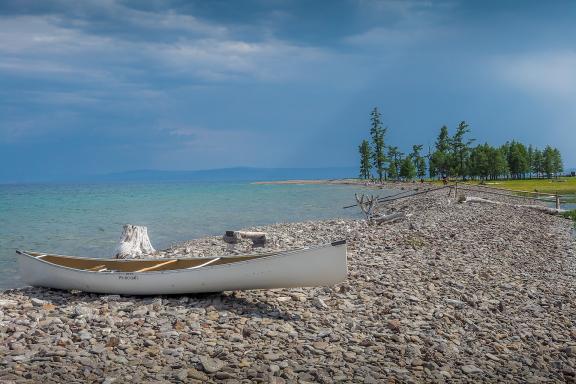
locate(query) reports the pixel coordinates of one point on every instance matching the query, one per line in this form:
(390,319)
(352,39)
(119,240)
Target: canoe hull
(317,266)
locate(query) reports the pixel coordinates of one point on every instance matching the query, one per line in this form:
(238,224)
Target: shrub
(570,214)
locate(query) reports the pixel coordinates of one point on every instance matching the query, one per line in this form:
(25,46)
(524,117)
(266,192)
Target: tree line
(454,156)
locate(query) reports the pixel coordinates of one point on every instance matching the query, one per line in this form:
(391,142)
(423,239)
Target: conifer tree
(407,168)
(557,162)
(537,163)
(548,161)
(377,133)
(395,157)
(439,160)
(365,164)
(419,162)
(529,160)
(498,163)
(460,149)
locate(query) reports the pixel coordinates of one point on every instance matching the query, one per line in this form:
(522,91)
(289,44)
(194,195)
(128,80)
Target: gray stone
(470,369)
(38,302)
(455,303)
(193,373)
(211,365)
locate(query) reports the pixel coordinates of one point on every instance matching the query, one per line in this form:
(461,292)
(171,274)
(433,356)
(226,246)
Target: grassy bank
(570,215)
(562,185)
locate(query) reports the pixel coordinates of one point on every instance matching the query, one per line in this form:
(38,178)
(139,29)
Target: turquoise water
(87,219)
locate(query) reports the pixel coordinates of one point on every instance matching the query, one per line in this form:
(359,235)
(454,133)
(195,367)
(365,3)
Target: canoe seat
(97,268)
(157,266)
(206,263)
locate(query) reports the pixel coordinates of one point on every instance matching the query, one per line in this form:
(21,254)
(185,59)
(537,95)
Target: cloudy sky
(99,86)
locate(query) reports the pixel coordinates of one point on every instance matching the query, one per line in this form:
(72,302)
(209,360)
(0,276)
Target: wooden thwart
(206,263)
(156,266)
(96,268)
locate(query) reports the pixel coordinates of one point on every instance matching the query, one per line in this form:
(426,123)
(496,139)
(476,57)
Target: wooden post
(557,201)
(456,190)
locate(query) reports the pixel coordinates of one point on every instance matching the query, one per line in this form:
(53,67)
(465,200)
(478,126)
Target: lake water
(87,220)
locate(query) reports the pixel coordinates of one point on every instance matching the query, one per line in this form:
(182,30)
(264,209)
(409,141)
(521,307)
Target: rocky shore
(456,292)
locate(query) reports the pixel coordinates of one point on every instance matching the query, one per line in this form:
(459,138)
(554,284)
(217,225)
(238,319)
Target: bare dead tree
(368,204)
(371,208)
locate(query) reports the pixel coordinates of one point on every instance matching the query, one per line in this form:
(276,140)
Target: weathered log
(388,218)
(134,242)
(552,211)
(234,237)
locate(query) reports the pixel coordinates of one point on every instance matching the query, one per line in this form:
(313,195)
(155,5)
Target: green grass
(562,185)
(570,215)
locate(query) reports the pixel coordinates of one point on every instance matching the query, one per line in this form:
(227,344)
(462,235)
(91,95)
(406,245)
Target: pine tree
(394,157)
(537,162)
(365,155)
(377,133)
(460,150)
(498,163)
(419,162)
(479,161)
(548,161)
(530,159)
(517,159)
(439,161)
(407,169)
(558,166)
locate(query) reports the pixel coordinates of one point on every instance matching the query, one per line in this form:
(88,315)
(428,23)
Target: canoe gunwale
(266,256)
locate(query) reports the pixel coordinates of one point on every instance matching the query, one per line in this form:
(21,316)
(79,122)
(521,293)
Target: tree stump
(234,237)
(133,243)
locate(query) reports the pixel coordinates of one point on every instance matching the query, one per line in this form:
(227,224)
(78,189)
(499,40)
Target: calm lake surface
(87,220)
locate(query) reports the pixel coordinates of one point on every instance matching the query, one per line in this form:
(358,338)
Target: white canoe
(314,266)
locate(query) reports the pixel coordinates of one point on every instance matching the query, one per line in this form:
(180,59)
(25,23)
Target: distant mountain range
(238,174)
(231,174)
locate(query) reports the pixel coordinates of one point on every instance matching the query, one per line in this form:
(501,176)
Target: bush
(570,214)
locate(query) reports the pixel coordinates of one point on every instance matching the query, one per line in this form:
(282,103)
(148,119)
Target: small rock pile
(454,293)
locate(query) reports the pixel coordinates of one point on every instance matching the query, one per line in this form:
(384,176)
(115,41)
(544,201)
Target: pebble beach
(456,292)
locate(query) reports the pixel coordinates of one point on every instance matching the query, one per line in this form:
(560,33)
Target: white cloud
(544,73)
(27,35)
(193,48)
(47,67)
(227,59)
(173,21)
(402,22)
(384,36)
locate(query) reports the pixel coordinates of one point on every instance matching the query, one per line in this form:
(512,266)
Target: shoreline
(462,292)
(358,182)
(310,181)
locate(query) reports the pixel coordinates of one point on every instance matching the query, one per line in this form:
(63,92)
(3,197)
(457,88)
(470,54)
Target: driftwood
(552,211)
(371,208)
(368,204)
(388,218)
(234,237)
(133,243)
